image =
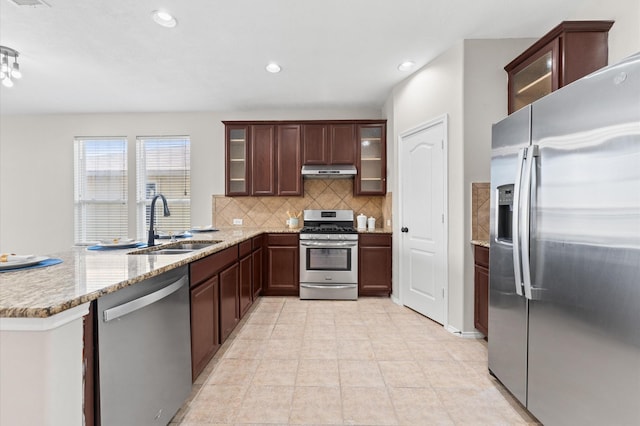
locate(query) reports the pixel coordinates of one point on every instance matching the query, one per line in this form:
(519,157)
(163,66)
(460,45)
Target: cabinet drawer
(282,240)
(245,248)
(211,265)
(375,240)
(481,256)
(256,242)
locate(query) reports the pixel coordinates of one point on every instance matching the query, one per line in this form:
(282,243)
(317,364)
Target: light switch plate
(237,221)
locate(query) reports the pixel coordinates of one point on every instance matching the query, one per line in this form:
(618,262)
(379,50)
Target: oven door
(328,262)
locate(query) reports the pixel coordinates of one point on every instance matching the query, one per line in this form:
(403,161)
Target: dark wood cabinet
(229,301)
(263,156)
(205,339)
(256,264)
(342,144)
(371,159)
(568,52)
(374,265)
(237,170)
(289,157)
(315,144)
(89,365)
(245,271)
(481,289)
(205,287)
(282,265)
(329,143)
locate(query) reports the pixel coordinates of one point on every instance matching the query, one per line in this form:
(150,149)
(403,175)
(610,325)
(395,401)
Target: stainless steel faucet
(152,233)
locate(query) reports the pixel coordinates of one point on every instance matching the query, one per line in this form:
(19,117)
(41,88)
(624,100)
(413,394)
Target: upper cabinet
(265,158)
(237,164)
(568,52)
(371,160)
(324,143)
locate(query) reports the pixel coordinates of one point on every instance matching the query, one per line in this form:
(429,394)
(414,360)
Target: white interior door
(423,261)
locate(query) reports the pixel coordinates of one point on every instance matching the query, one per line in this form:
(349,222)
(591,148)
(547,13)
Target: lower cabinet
(229,301)
(214,286)
(374,265)
(256,265)
(89,365)
(246,292)
(205,336)
(283,265)
(481,289)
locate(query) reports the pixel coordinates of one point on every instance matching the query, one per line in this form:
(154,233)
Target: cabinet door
(289,160)
(481,299)
(372,160)
(245,285)
(88,361)
(237,168)
(229,315)
(257,272)
(263,154)
(315,144)
(342,144)
(204,325)
(374,267)
(534,78)
(283,271)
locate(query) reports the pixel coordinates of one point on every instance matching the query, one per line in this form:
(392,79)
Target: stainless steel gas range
(328,255)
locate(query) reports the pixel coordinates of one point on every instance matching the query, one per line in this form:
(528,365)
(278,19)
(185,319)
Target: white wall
(36,165)
(433,91)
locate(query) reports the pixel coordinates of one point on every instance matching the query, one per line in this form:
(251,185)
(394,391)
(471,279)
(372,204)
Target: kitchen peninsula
(41,321)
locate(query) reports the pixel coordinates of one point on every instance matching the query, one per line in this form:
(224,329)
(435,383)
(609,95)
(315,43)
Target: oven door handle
(327,286)
(329,243)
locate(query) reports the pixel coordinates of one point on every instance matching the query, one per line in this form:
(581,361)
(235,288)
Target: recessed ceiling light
(164,18)
(273,67)
(406,66)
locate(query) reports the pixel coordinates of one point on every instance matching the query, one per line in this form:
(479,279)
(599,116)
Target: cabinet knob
(404,229)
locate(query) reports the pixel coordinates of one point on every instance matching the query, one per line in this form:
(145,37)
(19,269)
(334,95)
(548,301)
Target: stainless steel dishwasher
(144,351)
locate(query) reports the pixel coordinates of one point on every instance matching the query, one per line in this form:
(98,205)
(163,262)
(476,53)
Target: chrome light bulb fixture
(9,71)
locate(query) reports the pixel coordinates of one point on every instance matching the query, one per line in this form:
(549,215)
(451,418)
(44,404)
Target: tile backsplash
(318,194)
(480,194)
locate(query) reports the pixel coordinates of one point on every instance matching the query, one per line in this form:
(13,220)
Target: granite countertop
(481,243)
(84,275)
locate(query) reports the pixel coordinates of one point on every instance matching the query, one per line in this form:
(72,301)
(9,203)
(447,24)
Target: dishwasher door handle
(139,303)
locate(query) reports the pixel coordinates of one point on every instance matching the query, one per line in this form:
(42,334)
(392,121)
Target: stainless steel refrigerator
(564,300)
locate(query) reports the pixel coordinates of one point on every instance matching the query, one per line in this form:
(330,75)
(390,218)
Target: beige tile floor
(369,362)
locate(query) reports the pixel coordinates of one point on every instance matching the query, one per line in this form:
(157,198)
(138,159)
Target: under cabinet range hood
(329,171)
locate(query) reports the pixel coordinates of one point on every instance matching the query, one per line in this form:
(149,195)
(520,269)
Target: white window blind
(164,167)
(100,187)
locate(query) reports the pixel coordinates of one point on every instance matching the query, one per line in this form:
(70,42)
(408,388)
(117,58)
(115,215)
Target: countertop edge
(182,260)
(481,243)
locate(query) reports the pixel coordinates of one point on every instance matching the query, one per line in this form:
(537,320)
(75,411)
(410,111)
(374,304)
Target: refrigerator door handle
(532,154)
(515,225)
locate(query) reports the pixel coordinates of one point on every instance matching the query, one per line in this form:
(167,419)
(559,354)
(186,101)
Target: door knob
(404,229)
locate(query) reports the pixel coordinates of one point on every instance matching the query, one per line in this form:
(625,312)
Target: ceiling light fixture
(272,67)
(9,71)
(406,66)
(163,18)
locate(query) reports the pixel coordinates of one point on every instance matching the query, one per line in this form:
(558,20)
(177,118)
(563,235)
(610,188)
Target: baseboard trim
(464,334)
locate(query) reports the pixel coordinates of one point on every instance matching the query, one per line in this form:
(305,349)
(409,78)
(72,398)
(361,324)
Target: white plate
(209,228)
(122,243)
(12,264)
(165,235)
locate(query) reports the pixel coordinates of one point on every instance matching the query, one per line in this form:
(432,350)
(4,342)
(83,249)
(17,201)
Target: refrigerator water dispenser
(505,213)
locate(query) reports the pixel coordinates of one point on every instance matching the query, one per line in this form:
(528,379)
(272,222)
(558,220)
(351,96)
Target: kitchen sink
(178,247)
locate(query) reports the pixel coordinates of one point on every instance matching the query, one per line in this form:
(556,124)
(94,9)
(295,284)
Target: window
(100,189)
(164,167)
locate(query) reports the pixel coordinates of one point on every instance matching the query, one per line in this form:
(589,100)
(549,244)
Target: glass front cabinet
(371,160)
(568,52)
(237,170)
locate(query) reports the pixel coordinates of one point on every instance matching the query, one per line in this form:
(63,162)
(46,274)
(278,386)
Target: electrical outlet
(237,221)
(388,222)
